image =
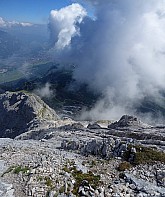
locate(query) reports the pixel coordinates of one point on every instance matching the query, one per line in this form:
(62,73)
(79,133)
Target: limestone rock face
(127,121)
(21,111)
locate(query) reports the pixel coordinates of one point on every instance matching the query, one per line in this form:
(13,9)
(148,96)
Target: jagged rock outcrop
(105,148)
(20,112)
(127,121)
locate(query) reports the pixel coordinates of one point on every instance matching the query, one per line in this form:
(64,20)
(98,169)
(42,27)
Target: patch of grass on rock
(48,182)
(124,166)
(145,155)
(79,176)
(62,189)
(19,169)
(148,155)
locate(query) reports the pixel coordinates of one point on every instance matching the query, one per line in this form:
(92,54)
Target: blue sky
(36,11)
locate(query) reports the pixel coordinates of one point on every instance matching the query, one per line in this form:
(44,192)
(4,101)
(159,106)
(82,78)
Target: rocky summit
(20,111)
(128,121)
(51,157)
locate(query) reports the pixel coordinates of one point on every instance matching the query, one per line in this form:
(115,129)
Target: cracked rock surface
(51,157)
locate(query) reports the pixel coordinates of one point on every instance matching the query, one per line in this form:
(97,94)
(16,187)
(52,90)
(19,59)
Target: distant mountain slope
(20,112)
(69,97)
(8,44)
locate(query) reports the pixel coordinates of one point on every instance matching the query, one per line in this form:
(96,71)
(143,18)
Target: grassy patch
(48,182)
(66,169)
(124,166)
(92,179)
(56,194)
(62,189)
(19,169)
(93,163)
(145,155)
(149,155)
(79,176)
(40,178)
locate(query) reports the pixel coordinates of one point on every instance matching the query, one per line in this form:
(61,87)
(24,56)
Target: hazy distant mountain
(8,44)
(28,39)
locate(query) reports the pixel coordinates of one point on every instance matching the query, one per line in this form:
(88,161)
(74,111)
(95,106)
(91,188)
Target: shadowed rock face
(20,111)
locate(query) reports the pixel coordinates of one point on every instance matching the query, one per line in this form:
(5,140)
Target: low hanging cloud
(120,53)
(4,23)
(45,91)
(63,24)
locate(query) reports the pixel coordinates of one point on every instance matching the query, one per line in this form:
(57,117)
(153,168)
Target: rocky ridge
(68,158)
(21,111)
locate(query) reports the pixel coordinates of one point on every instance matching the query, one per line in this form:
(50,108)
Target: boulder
(73,126)
(160,176)
(94,126)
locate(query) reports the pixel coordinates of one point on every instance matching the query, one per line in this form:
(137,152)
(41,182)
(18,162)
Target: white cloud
(121,54)
(4,23)
(63,24)
(45,91)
